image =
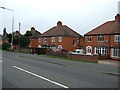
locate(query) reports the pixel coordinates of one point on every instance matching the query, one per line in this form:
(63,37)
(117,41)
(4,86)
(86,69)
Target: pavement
(110,62)
(33,71)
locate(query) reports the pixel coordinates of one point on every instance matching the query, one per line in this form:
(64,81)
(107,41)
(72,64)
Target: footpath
(109,62)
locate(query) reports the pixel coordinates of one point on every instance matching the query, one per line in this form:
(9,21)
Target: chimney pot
(59,23)
(117,18)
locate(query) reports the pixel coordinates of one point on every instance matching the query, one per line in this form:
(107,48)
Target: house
(104,40)
(4,37)
(60,37)
(34,38)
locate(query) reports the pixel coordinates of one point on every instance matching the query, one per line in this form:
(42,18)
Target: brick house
(104,40)
(60,37)
(34,38)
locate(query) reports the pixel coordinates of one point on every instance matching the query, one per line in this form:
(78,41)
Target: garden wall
(91,58)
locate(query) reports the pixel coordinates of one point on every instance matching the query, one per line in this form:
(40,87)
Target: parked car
(77,51)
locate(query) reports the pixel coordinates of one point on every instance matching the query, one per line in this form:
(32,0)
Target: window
(101,38)
(60,38)
(53,39)
(101,50)
(45,39)
(89,38)
(39,39)
(74,42)
(117,38)
(115,52)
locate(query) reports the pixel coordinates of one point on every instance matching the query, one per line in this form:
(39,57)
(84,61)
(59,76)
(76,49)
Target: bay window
(115,52)
(100,50)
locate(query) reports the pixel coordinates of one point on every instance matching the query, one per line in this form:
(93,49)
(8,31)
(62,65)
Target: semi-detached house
(104,40)
(60,37)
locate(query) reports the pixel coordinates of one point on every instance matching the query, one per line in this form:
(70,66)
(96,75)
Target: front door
(89,50)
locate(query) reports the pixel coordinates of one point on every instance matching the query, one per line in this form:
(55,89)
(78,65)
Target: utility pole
(19,34)
(12,25)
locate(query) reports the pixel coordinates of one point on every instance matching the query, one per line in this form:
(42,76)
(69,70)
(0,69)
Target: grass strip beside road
(67,59)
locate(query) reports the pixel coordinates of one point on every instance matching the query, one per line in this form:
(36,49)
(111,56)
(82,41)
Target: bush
(41,51)
(6,46)
(49,50)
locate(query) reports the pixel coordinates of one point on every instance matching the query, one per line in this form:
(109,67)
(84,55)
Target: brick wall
(67,42)
(74,56)
(93,58)
(33,43)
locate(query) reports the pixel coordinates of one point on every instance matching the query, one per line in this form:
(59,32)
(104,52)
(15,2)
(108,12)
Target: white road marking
(40,76)
(1,61)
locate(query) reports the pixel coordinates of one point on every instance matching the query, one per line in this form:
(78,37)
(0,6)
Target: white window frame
(100,38)
(100,50)
(115,52)
(89,39)
(45,39)
(74,42)
(52,39)
(117,38)
(60,38)
(39,39)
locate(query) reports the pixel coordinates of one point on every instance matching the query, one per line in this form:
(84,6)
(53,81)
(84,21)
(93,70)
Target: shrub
(41,51)
(6,46)
(49,50)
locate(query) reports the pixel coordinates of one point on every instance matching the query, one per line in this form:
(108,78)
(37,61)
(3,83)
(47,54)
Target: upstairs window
(89,38)
(60,38)
(74,42)
(53,39)
(117,38)
(39,39)
(101,38)
(45,39)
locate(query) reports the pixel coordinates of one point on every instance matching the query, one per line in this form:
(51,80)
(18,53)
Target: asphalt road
(32,71)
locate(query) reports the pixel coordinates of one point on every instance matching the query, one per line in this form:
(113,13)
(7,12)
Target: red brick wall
(83,57)
(67,42)
(33,43)
(94,42)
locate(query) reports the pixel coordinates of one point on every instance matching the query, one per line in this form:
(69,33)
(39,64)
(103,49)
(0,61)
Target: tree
(6,46)
(9,36)
(28,33)
(24,40)
(16,40)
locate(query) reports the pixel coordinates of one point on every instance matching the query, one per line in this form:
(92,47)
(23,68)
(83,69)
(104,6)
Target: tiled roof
(110,27)
(61,30)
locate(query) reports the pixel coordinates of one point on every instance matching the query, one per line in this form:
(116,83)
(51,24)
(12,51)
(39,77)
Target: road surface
(32,71)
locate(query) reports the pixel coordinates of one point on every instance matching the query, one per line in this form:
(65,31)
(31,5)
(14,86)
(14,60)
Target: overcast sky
(80,15)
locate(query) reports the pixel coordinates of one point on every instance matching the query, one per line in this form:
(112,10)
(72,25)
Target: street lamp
(12,25)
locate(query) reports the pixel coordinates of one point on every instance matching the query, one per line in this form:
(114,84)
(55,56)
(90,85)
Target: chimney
(117,18)
(59,23)
(32,29)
